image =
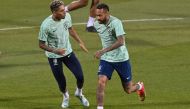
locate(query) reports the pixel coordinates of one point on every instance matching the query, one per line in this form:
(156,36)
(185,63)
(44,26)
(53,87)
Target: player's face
(60,13)
(102,15)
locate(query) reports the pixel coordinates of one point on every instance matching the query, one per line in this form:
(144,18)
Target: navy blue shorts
(123,69)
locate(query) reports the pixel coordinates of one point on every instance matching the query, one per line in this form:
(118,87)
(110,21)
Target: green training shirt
(56,34)
(108,34)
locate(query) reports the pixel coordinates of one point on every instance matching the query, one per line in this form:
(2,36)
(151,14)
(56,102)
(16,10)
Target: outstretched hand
(98,54)
(83,47)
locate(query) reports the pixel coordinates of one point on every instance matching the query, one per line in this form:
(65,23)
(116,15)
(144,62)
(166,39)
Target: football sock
(79,91)
(66,9)
(139,86)
(100,107)
(90,21)
(66,94)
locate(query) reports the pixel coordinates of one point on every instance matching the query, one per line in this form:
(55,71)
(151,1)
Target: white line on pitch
(145,20)
(17,28)
(133,20)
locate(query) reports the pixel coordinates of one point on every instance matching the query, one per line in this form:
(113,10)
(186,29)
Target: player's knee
(101,86)
(101,82)
(83,3)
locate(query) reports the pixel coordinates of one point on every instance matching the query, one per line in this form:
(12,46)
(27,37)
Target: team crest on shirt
(66,25)
(109,30)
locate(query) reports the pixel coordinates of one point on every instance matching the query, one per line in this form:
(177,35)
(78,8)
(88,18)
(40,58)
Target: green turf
(159,53)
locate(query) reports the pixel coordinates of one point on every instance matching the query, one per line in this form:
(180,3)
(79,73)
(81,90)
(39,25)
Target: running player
(113,55)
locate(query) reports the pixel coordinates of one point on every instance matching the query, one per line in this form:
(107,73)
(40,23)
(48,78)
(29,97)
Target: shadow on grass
(22,53)
(14,98)
(37,102)
(149,105)
(23,64)
(138,105)
(41,102)
(139,42)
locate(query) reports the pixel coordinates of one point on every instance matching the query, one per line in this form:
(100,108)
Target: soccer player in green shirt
(113,55)
(54,39)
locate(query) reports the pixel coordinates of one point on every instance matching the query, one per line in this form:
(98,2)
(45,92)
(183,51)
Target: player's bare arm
(76,37)
(120,41)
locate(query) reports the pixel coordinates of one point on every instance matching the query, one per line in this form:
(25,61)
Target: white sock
(66,9)
(90,21)
(79,91)
(140,86)
(100,107)
(66,95)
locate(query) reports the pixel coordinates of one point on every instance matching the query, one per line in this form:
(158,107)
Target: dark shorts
(123,69)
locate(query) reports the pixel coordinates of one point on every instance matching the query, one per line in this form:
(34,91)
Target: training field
(158,40)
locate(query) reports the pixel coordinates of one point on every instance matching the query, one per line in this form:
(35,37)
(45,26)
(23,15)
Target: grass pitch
(159,53)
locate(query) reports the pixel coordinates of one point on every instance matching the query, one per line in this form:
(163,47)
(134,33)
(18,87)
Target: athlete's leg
(124,71)
(76,5)
(102,80)
(92,16)
(104,74)
(130,87)
(57,69)
(93,8)
(74,66)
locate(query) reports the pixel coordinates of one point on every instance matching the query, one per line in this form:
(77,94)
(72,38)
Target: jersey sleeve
(43,33)
(70,20)
(118,27)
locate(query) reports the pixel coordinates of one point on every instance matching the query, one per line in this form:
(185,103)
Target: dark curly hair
(54,5)
(102,6)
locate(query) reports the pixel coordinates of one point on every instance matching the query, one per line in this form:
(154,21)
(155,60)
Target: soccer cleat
(65,103)
(91,29)
(141,92)
(83,100)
